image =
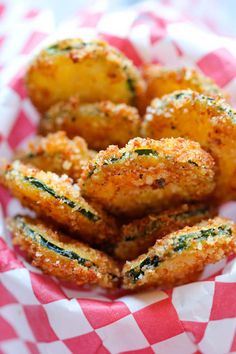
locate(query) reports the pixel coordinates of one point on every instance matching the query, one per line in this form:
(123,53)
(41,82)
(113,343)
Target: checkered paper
(39,314)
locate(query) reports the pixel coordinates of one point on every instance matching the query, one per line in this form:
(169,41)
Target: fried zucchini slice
(209,121)
(57,153)
(61,256)
(161,81)
(140,234)
(148,175)
(93,70)
(100,124)
(180,256)
(58,199)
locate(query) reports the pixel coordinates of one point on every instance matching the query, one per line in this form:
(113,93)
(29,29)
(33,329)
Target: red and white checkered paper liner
(39,314)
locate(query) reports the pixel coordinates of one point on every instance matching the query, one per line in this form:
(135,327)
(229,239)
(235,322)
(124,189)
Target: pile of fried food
(127,173)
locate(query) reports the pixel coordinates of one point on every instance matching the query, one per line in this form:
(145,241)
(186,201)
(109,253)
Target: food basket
(39,314)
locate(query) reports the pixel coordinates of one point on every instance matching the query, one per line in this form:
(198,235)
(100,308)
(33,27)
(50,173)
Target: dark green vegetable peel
(191,213)
(179,244)
(43,187)
(146,152)
(131,85)
(125,155)
(37,237)
(193,162)
(154,225)
(183,242)
(148,263)
(56,49)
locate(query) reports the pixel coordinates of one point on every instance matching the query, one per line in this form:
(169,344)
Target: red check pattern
(39,314)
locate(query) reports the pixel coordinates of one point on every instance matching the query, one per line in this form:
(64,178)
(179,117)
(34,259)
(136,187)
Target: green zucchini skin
(178,257)
(148,176)
(55,49)
(42,240)
(43,187)
(124,156)
(137,273)
(146,152)
(179,244)
(142,233)
(58,199)
(59,255)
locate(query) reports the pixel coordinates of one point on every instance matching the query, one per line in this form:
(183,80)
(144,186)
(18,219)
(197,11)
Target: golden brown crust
(100,123)
(57,198)
(140,234)
(57,153)
(211,122)
(93,70)
(161,81)
(178,257)
(61,256)
(148,175)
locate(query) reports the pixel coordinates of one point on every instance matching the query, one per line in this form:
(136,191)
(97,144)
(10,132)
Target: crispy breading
(57,153)
(140,234)
(100,124)
(93,70)
(61,256)
(209,121)
(162,80)
(148,175)
(180,256)
(57,198)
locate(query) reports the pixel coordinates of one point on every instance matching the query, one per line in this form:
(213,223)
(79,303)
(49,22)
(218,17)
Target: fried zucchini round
(100,124)
(61,256)
(93,70)
(180,256)
(140,234)
(161,81)
(209,121)
(57,153)
(148,175)
(57,198)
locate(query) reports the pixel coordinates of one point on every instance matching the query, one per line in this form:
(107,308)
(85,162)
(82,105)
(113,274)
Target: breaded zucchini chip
(61,256)
(58,199)
(100,124)
(59,154)
(209,121)
(180,256)
(93,70)
(161,81)
(140,234)
(148,175)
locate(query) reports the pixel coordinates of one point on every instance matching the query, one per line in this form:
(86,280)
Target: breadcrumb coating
(57,153)
(148,175)
(161,81)
(140,234)
(179,257)
(58,199)
(100,124)
(61,256)
(93,70)
(209,121)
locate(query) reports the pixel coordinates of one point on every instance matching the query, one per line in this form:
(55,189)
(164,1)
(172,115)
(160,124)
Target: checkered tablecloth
(39,314)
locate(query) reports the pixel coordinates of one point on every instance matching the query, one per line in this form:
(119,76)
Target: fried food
(140,234)
(59,154)
(148,175)
(180,256)
(100,124)
(61,256)
(58,199)
(162,80)
(209,121)
(93,70)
